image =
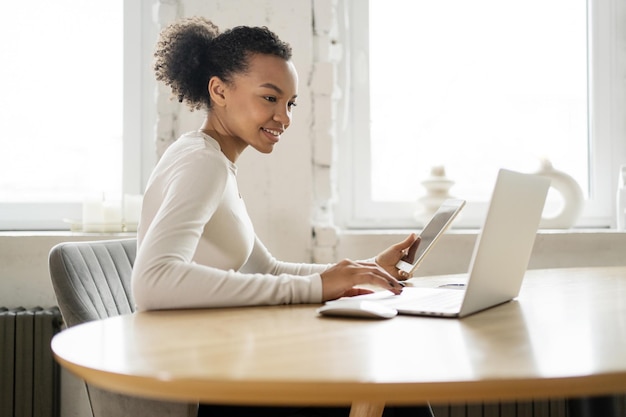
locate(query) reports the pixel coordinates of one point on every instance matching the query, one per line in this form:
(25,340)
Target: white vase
(437,191)
(572,194)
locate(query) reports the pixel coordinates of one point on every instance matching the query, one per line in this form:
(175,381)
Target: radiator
(547,408)
(29,375)
(605,406)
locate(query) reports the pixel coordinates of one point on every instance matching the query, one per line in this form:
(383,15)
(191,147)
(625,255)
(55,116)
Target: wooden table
(564,336)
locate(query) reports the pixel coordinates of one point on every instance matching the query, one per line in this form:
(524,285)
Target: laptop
(500,256)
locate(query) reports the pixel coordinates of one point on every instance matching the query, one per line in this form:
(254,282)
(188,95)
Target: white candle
(112,214)
(93,214)
(132,211)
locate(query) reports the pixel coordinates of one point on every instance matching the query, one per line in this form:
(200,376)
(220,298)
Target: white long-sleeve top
(196,246)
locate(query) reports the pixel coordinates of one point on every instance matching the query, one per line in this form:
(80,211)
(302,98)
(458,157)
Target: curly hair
(191,51)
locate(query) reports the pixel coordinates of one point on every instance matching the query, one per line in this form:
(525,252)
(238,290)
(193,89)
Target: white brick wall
(325,95)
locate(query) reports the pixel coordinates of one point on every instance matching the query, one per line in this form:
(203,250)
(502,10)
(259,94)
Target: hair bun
(182,55)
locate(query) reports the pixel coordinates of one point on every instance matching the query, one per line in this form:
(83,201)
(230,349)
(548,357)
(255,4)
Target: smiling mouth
(275,133)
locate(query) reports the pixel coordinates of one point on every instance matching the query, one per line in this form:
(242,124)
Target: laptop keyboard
(427,300)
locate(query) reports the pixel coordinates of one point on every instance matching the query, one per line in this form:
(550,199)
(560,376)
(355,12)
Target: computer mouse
(359,309)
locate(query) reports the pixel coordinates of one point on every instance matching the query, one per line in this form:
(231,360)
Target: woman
(196,244)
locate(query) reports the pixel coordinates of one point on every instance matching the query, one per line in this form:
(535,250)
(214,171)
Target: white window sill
(451,255)
(64,233)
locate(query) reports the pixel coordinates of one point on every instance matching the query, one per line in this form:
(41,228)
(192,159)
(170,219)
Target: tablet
(438,224)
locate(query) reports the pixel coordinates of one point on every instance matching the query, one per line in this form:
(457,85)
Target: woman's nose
(283,117)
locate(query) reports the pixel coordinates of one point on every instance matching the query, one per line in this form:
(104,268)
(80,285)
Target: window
(475,86)
(69,108)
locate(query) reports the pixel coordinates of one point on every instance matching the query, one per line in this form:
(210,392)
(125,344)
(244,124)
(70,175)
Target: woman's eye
(273,99)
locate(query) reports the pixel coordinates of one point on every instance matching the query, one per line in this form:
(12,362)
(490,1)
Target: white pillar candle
(132,211)
(93,214)
(112,215)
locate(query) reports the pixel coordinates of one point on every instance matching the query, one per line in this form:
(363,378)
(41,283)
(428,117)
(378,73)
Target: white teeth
(273,132)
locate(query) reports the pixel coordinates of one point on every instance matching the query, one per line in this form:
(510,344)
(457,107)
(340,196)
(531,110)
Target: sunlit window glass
(475,86)
(61,102)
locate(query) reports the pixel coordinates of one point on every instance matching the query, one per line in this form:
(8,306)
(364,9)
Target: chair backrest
(91,280)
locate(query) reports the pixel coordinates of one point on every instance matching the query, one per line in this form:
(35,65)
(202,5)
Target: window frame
(607,74)
(138,127)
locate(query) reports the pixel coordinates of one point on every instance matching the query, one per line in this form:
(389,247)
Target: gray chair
(91,281)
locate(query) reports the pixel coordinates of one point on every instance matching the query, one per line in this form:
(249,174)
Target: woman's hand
(388,258)
(339,280)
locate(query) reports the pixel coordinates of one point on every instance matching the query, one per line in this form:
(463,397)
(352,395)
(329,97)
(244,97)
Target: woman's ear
(217,89)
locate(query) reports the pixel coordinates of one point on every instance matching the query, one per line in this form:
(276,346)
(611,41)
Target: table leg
(363,409)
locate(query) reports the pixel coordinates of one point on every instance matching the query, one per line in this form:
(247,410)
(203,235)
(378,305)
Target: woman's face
(259,103)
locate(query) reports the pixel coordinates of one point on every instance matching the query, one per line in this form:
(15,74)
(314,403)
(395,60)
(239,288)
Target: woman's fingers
(340,279)
(390,256)
(379,273)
